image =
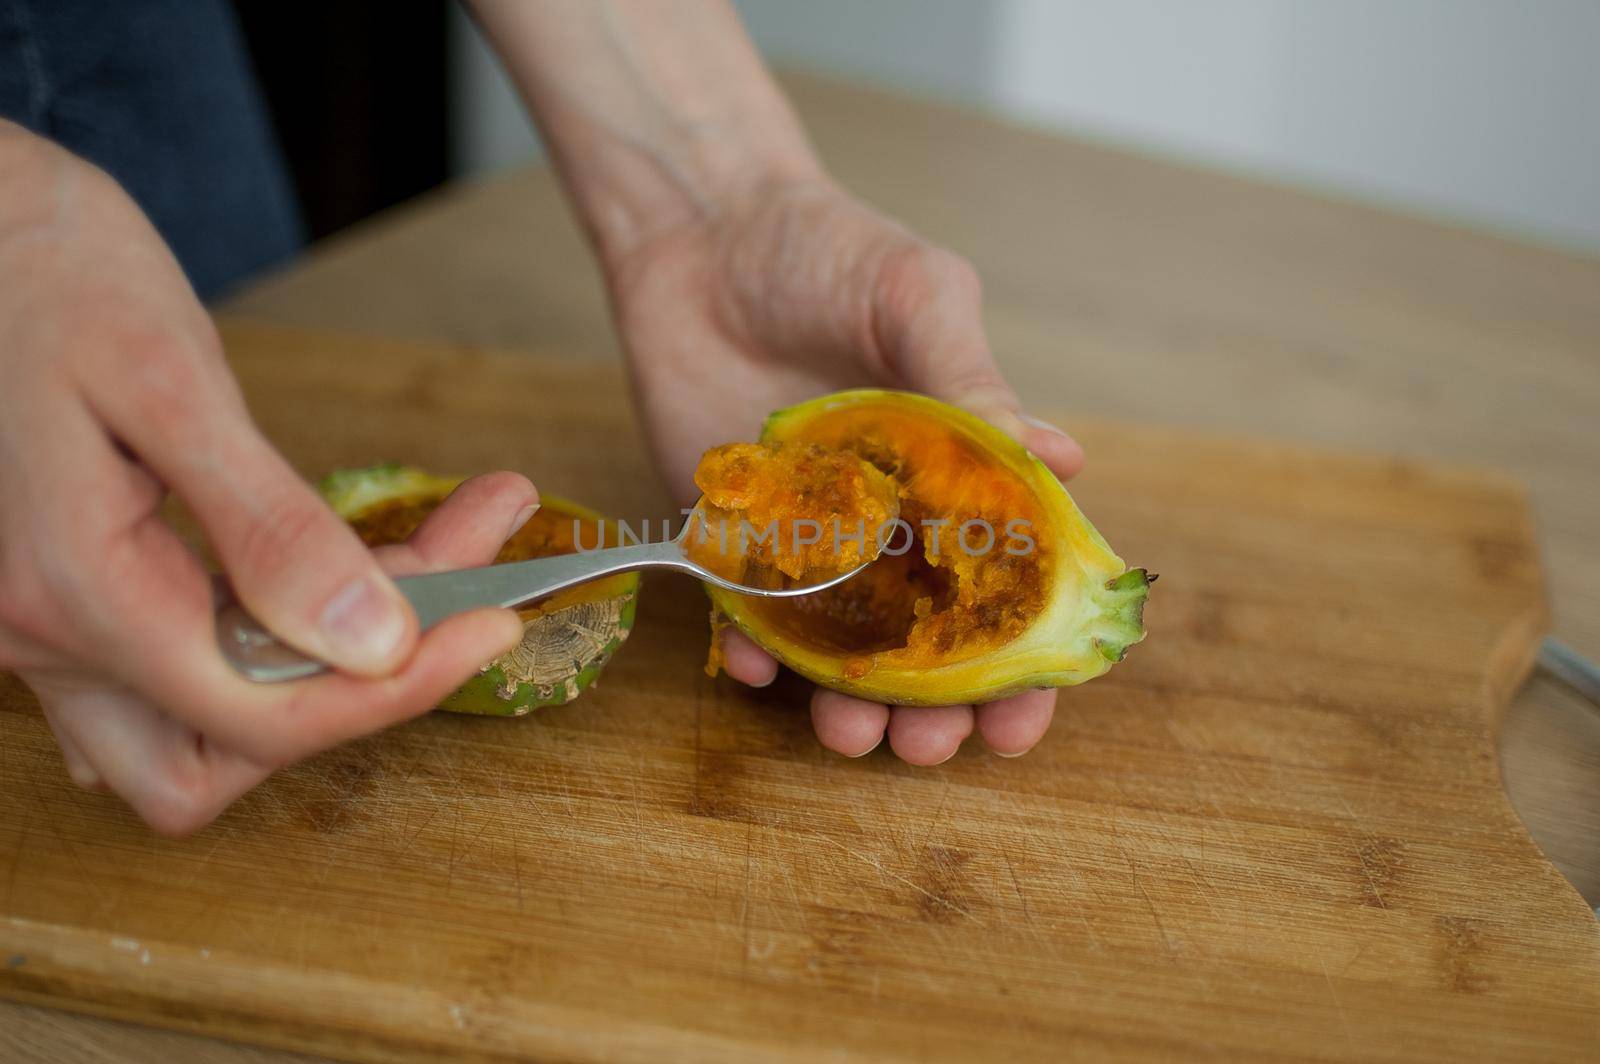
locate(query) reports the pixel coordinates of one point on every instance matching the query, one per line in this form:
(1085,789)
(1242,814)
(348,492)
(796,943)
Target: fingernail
(363,625)
(1041,424)
(522,518)
(1019,753)
(868,750)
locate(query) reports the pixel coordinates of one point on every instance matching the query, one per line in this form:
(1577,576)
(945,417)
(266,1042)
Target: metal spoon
(260,656)
(1581,674)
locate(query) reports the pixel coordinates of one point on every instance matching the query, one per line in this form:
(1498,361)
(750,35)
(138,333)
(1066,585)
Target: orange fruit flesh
(796,511)
(976,575)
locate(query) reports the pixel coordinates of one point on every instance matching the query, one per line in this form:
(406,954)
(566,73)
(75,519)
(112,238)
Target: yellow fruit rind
(1093,615)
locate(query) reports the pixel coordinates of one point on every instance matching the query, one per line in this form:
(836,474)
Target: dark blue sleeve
(160,94)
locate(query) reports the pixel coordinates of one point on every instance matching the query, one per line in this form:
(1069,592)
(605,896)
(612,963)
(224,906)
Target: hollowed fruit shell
(567,638)
(949,622)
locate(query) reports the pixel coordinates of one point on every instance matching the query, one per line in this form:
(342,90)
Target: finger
(928,735)
(847,725)
(20,653)
(136,604)
(928,326)
(78,767)
(292,561)
(1012,726)
(743,660)
(1052,446)
(469,527)
(309,716)
(171,657)
(172,777)
(63,503)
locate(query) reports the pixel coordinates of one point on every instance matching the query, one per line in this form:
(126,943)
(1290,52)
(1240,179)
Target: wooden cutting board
(1276,830)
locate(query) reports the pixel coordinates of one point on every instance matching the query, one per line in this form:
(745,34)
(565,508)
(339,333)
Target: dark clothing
(160,94)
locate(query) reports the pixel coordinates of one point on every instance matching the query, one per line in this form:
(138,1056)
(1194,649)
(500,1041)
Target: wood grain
(1276,830)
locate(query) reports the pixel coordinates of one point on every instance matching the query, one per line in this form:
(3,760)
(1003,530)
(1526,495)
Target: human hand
(793,290)
(743,280)
(113,389)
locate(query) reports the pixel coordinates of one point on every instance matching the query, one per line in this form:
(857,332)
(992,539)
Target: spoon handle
(1581,674)
(259,655)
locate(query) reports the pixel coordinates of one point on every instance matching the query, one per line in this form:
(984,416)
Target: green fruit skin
(350,491)
(1118,626)
(481,694)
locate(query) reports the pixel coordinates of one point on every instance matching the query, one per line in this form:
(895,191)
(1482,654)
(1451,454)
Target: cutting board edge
(1510,665)
(77,959)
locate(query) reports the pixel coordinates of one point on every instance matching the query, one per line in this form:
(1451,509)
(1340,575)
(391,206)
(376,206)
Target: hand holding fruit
(743,280)
(792,290)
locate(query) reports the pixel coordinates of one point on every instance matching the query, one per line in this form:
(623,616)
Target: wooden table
(1118,286)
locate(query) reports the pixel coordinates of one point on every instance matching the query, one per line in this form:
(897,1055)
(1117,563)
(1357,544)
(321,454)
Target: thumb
(291,560)
(927,319)
(300,569)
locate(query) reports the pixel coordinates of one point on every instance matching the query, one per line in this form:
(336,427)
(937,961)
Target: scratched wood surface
(1276,830)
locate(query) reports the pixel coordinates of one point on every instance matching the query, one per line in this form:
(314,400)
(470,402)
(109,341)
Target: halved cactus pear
(567,638)
(1007,586)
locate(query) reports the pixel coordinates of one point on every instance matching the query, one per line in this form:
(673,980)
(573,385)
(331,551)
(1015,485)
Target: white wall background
(1486,111)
